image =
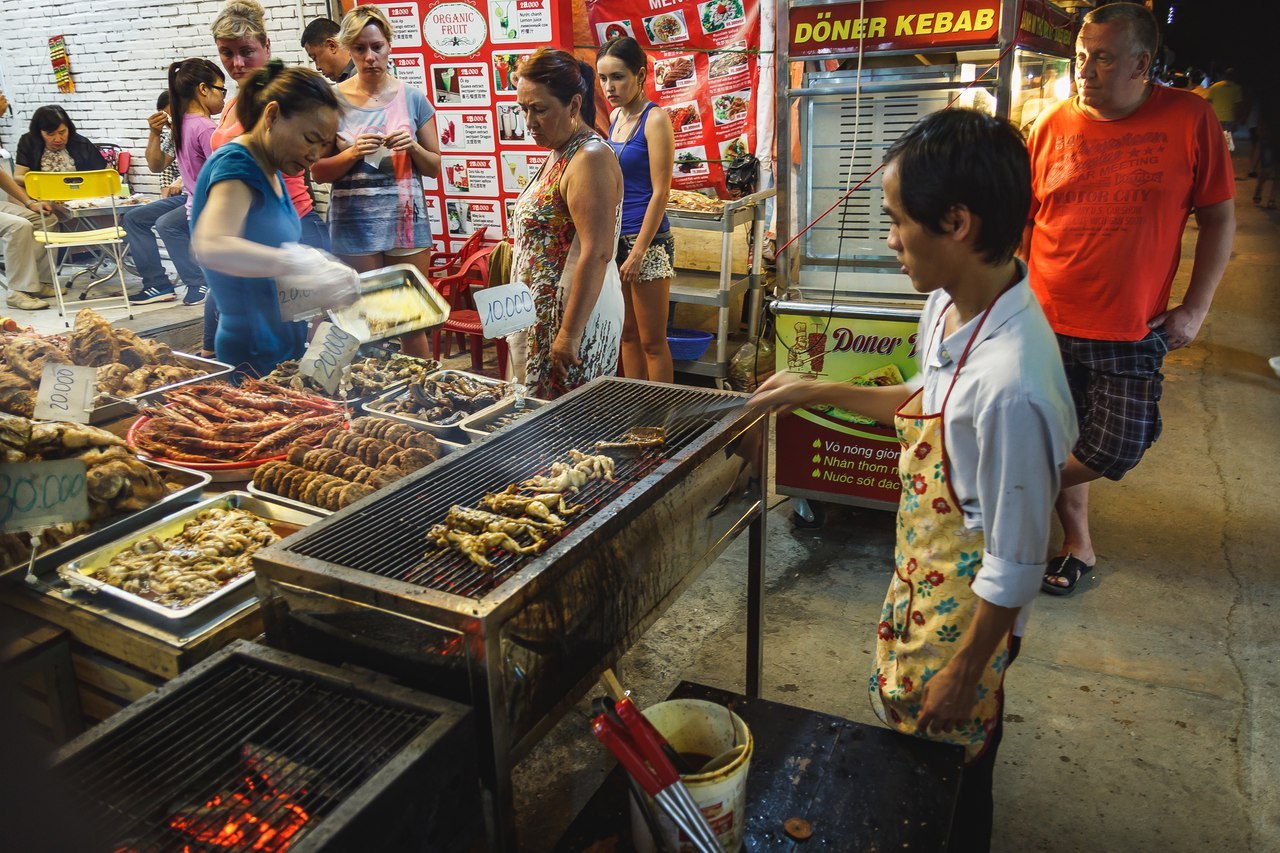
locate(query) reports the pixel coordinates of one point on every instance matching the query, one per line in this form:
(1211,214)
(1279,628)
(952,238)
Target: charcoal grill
(526,640)
(257,749)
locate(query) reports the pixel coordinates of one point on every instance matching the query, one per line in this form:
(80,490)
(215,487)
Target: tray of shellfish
(374,372)
(123,490)
(350,463)
(132,370)
(191,558)
(441,402)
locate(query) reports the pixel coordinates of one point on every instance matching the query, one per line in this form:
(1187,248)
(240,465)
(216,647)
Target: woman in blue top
(645,144)
(244,226)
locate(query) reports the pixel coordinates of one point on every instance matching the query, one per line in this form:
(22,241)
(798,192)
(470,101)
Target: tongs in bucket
(639,748)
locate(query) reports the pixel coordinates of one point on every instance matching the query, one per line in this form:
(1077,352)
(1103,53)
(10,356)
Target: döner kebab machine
(870,70)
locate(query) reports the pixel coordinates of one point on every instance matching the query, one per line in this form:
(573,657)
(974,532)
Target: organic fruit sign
(703,71)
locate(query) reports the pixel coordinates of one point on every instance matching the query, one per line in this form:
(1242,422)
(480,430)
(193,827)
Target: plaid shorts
(1116,389)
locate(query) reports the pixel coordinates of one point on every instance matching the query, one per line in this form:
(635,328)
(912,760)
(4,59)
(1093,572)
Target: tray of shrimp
(227,431)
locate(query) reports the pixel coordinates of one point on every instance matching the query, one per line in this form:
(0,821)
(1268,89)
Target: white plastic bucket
(698,727)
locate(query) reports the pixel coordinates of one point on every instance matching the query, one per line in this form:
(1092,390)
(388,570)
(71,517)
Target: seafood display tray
(192,482)
(78,572)
(125,406)
(446,447)
(437,429)
(218,472)
(374,281)
(474,424)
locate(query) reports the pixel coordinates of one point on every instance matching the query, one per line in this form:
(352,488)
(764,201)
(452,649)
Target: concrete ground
(1144,711)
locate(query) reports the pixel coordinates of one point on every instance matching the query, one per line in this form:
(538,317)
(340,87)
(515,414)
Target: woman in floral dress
(565,232)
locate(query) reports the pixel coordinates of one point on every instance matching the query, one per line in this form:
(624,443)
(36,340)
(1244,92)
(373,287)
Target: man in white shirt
(986,427)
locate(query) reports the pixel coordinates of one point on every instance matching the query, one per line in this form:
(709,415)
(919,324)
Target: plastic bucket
(695,727)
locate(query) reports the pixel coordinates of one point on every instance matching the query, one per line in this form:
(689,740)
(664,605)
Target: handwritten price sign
(329,352)
(40,494)
(66,393)
(505,309)
(301,303)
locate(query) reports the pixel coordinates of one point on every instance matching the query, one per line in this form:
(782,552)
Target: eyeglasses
(222,89)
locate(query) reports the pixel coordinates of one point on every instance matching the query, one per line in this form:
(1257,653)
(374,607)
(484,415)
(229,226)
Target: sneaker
(45,292)
(149,295)
(195,295)
(24,301)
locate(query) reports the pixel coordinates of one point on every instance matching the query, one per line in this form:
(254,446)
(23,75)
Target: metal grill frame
(438,761)
(661,514)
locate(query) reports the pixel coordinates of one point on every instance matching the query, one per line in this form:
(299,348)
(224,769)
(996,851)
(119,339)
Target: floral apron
(930,606)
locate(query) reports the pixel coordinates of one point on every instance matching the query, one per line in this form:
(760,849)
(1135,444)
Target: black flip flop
(1066,566)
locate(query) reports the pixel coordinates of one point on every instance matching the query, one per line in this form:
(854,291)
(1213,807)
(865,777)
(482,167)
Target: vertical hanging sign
(61,64)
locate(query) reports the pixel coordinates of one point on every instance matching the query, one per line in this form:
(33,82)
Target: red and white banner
(703,70)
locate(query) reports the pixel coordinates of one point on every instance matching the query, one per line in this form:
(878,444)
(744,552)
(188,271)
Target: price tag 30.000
(329,352)
(66,393)
(505,309)
(40,494)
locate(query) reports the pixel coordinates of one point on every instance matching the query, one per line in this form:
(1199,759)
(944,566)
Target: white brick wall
(119,51)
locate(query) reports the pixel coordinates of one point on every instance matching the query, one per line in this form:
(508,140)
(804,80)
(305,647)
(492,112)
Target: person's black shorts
(1116,389)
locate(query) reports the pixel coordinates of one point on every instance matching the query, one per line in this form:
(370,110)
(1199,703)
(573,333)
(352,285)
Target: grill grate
(247,758)
(388,536)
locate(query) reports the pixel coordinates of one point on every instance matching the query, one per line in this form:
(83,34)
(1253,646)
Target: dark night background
(1217,34)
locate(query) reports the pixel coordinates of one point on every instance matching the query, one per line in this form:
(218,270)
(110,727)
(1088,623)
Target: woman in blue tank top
(645,144)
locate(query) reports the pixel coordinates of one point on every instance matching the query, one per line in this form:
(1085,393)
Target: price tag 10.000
(329,352)
(40,494)
(66,393)
(505,309)
(298,302)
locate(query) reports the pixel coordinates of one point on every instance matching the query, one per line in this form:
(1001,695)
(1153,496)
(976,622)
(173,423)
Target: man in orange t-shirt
(1115,173)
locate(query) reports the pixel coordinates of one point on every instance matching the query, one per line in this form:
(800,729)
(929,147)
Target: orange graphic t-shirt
(1109,203)
(229,127)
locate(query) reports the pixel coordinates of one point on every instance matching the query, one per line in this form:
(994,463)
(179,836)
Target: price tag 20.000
(329,352)
(300,303)
(40,494)
(505,309)
(66,393)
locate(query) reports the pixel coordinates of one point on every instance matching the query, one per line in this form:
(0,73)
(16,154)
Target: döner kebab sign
(836,29)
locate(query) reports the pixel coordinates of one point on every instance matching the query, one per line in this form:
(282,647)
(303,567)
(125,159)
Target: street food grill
(349,464)
(128,365)
(541,620)
(695,201)
(258,750)
(368,376)
(219,423)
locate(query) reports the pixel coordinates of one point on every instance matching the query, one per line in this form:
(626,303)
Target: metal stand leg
(755,580)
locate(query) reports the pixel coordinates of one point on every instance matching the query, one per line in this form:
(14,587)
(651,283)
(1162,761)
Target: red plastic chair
(450,263)
(464,320)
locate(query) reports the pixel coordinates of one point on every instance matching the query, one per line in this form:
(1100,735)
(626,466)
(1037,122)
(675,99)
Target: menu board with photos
(462,54)
(703,71)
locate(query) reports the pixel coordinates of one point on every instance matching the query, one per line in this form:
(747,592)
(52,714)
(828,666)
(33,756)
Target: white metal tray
(125,406)
(374,406)
(435,310)
(478,425)
(80,572)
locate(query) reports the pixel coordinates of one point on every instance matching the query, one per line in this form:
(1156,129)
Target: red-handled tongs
(640,749)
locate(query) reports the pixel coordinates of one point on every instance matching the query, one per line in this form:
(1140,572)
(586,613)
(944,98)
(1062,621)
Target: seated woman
(244,225)
(52,144)
(565,230)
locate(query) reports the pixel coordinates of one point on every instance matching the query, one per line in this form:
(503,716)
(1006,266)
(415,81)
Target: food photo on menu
(446,84)
(674,72)
(691,162)
(731,107)
(734,148)
(504,71)
(667,28)
(728,61)
(511,127)
(459,215)
(717,15)
(684,117)
(610,30)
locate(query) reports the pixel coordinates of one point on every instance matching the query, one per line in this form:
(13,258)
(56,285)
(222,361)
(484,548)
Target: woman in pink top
(243,46)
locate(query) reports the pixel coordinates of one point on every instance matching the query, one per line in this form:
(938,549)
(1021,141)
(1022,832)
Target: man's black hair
(162,101)
(966,157)
(319,30)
